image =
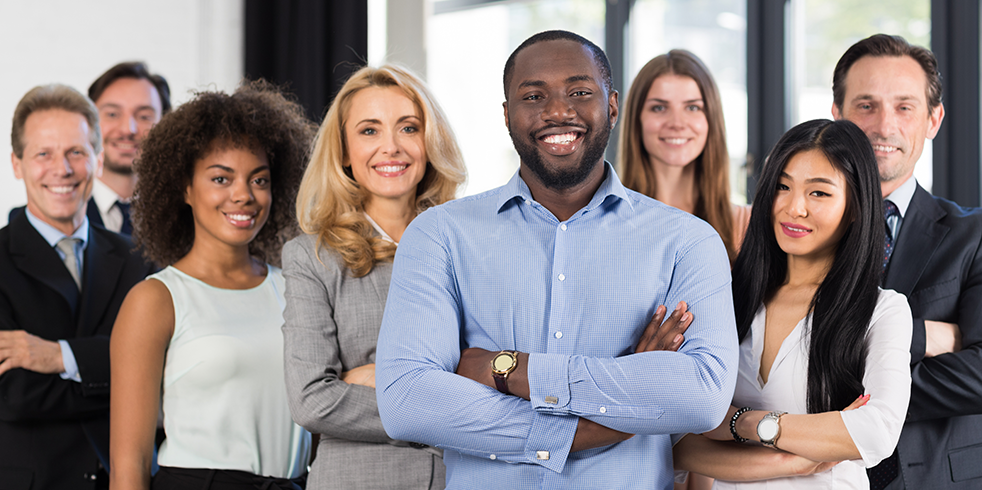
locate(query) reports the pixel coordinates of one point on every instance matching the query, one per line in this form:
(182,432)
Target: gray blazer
(332,325)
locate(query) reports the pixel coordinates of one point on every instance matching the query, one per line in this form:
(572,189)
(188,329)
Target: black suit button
(90,476)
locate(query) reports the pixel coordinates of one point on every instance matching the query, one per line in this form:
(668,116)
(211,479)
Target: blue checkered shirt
(499,271)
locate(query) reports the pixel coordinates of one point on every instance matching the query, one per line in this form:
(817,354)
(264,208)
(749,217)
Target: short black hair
(599,57)
(137,70)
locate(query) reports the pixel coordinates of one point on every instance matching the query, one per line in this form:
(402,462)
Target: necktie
(127,227)
(889,209)
(67,246)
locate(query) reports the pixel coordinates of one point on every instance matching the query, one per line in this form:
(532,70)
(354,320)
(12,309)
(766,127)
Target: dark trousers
(169,478)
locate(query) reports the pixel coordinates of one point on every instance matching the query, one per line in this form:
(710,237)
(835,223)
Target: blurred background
(772,59)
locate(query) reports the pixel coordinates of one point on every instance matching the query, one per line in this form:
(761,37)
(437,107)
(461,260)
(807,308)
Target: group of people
(577,327)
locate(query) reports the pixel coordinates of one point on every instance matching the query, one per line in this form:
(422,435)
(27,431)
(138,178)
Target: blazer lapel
(35,257)
(919,237)
(92,212)
(102,267)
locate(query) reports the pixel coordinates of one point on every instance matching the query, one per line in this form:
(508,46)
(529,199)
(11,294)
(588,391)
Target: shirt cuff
(550,440)
(68,359)
(548,376)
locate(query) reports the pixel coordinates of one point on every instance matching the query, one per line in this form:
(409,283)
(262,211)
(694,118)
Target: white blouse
(874,428)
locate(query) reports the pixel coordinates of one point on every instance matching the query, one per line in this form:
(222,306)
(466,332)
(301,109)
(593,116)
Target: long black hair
(844,302)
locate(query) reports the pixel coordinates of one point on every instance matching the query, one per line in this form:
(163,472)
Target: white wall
(195,44)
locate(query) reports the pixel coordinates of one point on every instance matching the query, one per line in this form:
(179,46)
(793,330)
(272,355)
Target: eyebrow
(376,121)
(113,105)
(813,180)
(690,101)
(541,83)
(871,97)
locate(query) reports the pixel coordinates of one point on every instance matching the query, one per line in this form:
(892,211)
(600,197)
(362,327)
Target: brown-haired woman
(673,143)
(217,179)
(384,154)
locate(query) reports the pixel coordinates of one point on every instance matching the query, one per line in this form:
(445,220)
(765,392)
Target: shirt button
(528,201)
(542,455)
(603,409)
(493,457)
(562,227)
(559,335)
(562,277)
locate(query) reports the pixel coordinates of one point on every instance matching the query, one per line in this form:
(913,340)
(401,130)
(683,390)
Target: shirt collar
(902,195)
(53,235)
(611,186)
(105,198)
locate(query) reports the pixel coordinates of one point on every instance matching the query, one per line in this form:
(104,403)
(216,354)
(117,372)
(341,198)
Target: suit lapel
(92,212)
(102,269)
(920,235)
(36,258)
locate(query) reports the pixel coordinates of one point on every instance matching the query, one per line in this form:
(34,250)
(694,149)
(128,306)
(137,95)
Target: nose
(676,119)
(797,206)
(884,124)
(65,166)
(558,109)
(390,143)
(241,191)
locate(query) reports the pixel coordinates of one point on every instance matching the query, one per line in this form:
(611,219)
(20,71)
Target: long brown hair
(330,201)
(712,166)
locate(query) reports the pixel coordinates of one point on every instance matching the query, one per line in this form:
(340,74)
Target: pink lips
(794,230)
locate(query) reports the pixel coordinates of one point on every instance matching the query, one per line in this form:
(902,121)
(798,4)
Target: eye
(369,131)
(146,118)
(782,187)
(865,107)
(580,93)
(821,194)
(261,181)
(658,108)
(220,180)
(532,97)
(110,114)
(410,129)
(693,108)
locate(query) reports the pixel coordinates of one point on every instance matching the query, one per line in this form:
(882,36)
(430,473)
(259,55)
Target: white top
(874,428)
(224,396)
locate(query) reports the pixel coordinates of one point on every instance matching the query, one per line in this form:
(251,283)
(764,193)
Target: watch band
(733,422)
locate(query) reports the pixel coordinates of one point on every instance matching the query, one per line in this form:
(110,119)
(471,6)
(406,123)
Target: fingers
(668,336)
(862,400)
(652,328)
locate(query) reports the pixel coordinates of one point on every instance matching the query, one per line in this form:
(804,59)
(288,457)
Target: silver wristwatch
(769,428)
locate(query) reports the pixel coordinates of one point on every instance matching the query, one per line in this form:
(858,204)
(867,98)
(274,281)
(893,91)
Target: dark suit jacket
(937,263)
(53,431)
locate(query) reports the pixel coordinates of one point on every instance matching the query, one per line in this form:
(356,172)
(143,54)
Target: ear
(504,105)
(16,162)
(612,108)
(99,160)
(836,113)
(187,194)
(934,121)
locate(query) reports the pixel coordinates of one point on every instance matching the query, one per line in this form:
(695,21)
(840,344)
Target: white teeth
(801,230)
(560,139)
(390,168)
(240,217)
(675,141)
(884,148)
(62,189)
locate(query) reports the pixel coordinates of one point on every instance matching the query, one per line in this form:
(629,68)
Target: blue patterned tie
(127,227)
(889,209)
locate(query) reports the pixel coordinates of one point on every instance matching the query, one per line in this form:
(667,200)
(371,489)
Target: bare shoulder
(148,309)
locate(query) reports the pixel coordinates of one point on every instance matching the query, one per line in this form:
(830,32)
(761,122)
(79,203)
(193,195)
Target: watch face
(503,362)
(767,429)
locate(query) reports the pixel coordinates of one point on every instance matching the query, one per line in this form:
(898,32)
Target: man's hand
(667,335)
(591,434)
(19,349)
(361,375)
(475,364)
(942,338)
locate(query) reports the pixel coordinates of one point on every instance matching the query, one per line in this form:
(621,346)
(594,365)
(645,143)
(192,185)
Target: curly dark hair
(256,116)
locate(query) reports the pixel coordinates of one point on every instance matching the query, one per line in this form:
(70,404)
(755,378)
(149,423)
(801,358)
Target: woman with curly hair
(673,143)
(383,154)
(217,179)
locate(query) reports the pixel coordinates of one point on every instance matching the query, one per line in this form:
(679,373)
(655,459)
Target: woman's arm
(321,400)
(143,329)
(735,462)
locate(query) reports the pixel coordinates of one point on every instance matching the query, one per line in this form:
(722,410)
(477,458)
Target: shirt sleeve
(420,398)
(656,392)
(875,427)
(68,359)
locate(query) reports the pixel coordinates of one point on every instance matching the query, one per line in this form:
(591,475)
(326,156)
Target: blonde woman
(673,144)
(383,154)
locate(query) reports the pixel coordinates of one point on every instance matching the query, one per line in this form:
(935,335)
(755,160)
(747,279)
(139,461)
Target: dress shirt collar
(902,195)
(52,235)
(611,186)
(105,198)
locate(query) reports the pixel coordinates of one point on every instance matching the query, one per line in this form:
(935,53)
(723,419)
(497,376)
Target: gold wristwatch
(501,366)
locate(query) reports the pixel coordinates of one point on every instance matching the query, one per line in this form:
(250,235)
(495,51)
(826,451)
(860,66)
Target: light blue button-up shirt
(499,271)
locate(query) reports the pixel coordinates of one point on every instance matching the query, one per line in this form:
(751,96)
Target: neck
(67,226)
(392,215)
(676,186)
(121,184)
(213,258)
(887,187)
(564,203)
(804,271)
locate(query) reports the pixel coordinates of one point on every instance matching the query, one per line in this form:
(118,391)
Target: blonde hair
(712,166)
(330,201)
